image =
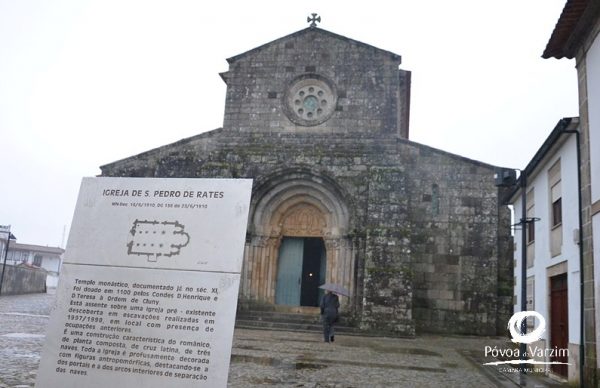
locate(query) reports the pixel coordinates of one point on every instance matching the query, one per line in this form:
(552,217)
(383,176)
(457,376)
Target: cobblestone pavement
(286,359)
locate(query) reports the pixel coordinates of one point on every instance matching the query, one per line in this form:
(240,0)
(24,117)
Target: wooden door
(559,321)
(289,271)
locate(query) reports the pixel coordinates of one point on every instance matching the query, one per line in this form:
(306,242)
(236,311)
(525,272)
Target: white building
(576,36)
(48,258)
(553,256)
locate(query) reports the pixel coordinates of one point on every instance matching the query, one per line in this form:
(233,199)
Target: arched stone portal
(295,205)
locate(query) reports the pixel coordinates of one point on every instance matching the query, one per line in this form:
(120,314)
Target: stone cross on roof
(313,20)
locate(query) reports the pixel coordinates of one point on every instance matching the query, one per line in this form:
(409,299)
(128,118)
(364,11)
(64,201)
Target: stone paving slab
(302,360)
(282,359)
(23,321)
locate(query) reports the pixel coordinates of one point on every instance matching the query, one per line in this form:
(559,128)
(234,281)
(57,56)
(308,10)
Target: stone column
(259,272)
(340,266)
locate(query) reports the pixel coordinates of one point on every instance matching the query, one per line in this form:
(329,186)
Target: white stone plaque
(148,290)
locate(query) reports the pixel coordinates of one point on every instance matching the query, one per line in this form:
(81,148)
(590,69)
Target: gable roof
(165,147)
(566,125)
(576,19)
(312,30)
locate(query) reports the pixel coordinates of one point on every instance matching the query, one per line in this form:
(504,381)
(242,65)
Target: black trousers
(327,330)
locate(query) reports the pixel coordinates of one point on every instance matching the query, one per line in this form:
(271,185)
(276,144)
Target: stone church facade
(320,122)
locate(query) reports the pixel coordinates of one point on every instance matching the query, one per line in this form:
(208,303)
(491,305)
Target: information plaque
(148,289)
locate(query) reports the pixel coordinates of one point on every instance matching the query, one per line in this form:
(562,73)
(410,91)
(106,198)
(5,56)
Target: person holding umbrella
(330,305)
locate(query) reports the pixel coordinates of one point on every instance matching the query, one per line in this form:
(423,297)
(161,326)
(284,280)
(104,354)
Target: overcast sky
(86,82)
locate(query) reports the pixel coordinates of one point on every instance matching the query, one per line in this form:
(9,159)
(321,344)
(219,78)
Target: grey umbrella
(336,288)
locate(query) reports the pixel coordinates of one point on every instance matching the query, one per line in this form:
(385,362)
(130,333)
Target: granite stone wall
(433,236)
(23,280)
(368,91)
(430,242)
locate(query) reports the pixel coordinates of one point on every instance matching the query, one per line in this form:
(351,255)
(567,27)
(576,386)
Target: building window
(530,232)
(555,194)
(530,215)
(37,260)
(530,227)
(555,210)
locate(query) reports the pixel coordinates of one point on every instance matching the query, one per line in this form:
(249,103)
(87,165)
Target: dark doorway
(314,252)
(300,271)
(559,322)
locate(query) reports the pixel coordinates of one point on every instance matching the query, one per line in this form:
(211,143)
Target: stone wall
(422,240)
(457,225)
(428,231)
(22,280)
(372,94)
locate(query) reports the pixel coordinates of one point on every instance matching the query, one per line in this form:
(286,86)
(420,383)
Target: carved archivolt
(304,220)
(297,205)
(284,196)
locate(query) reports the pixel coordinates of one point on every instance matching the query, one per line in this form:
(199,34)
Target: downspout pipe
(524,230)
(581,267)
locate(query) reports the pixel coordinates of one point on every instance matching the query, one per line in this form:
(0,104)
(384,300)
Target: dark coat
(329,307)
